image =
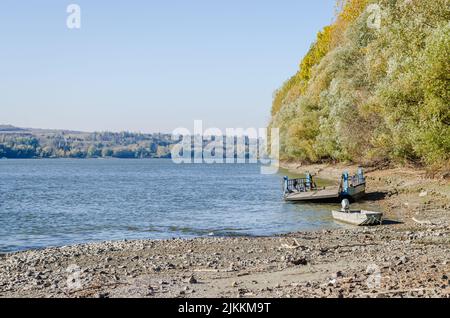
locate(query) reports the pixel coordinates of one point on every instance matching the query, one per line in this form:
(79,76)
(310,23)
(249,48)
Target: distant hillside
(41,143)
(9,128)
(372,91)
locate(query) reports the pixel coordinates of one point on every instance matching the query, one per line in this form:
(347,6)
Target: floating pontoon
(305,189)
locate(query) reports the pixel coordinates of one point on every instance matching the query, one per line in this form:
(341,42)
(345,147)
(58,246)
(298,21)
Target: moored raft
(305,189)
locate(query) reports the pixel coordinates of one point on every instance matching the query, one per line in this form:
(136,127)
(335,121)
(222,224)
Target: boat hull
(359,218)
(330,194)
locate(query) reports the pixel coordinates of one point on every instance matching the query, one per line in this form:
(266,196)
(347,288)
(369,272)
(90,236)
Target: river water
(63,201)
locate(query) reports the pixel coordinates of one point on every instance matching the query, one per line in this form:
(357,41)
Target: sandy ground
(409,256)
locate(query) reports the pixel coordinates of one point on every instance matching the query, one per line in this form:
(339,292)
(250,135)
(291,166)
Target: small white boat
(357,217)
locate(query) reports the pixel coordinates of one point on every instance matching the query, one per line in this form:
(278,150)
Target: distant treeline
(19,143)
(22,144)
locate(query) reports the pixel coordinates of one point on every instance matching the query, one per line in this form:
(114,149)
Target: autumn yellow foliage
(369,94)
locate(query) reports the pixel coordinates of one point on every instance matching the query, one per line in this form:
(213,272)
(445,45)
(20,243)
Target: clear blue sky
(150,65)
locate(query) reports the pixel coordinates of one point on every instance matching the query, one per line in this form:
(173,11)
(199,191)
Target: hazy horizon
(151,66)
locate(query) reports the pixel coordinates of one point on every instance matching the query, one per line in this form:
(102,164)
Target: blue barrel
(286,179)
(308,180)
(361,175)
(345,183)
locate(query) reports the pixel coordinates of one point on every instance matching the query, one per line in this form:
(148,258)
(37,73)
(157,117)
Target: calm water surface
(60,202)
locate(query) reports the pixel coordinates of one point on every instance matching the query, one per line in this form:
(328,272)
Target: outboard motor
(345,205)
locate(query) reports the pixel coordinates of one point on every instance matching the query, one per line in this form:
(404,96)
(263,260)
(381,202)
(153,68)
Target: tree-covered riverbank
(374,87)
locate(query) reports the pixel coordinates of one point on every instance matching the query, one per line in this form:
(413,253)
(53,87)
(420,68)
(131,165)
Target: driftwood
(398,291)
(92,288)
(326,249)
(80,290)
(207,270)
(422,222)
(296,245)
(212,270)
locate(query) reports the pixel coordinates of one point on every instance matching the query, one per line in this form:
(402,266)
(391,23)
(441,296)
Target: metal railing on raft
(299,184)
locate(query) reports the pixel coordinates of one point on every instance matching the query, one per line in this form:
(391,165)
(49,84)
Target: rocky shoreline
(409,256)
